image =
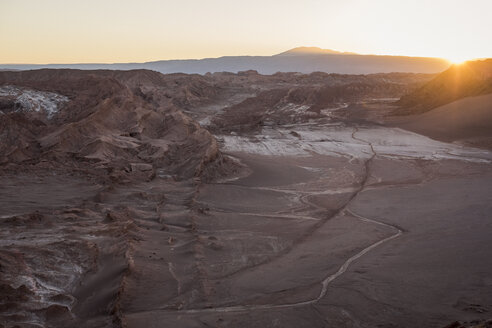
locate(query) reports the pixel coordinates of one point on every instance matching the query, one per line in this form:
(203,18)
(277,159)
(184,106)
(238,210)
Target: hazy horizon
(224,56)
(67,32)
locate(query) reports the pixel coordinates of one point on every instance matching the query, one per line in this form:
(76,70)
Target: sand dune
(468,120)
(472,78)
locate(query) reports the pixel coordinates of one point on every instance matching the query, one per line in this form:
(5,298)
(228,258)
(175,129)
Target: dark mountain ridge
(302,60)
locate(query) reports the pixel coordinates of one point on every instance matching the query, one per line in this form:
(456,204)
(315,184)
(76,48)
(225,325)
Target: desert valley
(132,198)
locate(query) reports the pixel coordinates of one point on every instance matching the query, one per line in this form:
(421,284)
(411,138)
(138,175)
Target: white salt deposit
(33,100)
(347,142)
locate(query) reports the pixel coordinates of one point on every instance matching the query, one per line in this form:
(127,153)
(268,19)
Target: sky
(109,31)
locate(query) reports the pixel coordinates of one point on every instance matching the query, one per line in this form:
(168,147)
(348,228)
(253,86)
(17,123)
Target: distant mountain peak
(302,59)
(313,51)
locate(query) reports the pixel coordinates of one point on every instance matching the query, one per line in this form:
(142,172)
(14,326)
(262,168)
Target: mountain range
(301,59)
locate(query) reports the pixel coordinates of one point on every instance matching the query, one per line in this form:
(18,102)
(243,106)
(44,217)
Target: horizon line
(344,53)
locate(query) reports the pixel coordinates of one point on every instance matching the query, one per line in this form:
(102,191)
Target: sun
(457,60)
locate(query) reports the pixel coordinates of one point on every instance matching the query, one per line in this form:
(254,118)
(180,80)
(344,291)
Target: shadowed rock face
(109,118)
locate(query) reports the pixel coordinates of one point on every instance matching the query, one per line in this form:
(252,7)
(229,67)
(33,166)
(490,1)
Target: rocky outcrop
(109,118)
(304,97)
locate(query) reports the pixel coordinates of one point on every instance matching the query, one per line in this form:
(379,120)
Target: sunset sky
(106,31)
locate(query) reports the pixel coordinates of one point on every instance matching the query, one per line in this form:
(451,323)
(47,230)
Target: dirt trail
(322,221)
(324,283)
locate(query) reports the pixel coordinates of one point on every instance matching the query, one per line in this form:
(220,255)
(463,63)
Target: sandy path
(324,283)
